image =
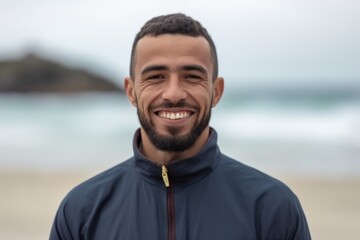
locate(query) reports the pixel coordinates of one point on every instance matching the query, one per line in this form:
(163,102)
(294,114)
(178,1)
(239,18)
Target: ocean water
(50,132)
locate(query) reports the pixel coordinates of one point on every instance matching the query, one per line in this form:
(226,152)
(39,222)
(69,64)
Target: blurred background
(291,106)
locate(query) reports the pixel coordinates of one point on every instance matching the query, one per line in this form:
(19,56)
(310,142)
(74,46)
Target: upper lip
(173,110)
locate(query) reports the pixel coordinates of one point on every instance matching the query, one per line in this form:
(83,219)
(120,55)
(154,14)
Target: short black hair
(177,23)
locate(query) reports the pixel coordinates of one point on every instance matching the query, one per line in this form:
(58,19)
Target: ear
(130,90)
(218,90)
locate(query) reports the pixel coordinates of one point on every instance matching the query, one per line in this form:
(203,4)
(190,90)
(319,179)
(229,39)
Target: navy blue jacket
(210,197)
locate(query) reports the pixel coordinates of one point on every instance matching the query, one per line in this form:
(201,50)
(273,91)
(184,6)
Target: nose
(174,90)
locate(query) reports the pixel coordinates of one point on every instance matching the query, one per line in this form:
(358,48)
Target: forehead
(169,49)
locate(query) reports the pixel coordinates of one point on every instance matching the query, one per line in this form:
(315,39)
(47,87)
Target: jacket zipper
(170,204)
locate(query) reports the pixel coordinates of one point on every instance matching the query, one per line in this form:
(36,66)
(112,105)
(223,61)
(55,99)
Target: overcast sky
(258,41)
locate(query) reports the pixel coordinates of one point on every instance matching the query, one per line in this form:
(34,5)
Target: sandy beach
(29,200)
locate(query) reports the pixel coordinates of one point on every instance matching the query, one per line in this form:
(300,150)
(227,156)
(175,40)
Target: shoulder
(104,180)
(256,183)
(97,188)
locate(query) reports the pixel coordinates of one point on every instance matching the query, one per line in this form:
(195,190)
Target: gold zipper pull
(165,176)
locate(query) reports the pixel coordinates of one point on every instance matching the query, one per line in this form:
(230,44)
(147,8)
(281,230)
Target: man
(178,185)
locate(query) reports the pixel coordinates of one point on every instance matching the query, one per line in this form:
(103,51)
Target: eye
(192,77)
(155,77)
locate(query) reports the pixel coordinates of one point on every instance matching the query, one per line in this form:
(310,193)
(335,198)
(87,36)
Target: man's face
(173,89)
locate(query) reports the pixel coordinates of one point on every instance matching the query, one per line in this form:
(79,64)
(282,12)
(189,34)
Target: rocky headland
(34,74)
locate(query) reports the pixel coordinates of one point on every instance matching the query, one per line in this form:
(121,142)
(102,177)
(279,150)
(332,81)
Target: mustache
(179,104)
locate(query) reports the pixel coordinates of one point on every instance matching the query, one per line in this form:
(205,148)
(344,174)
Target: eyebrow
(192,67)
(153,68)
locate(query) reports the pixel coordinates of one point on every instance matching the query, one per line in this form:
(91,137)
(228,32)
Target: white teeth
(173,116)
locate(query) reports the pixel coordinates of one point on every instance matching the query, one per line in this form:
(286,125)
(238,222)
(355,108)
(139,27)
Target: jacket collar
(181,172)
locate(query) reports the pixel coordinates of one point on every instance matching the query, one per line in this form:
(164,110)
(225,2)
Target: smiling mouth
(174,115)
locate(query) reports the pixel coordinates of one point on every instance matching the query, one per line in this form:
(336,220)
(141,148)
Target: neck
(163,157)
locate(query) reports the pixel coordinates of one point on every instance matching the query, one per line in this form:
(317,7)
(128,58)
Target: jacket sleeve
(60,229)
(282,216)
(298,228)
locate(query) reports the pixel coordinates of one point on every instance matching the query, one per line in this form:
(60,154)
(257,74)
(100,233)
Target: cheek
(144,99)
(205,103)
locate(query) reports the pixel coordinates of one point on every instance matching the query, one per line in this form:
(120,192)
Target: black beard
(173,143)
